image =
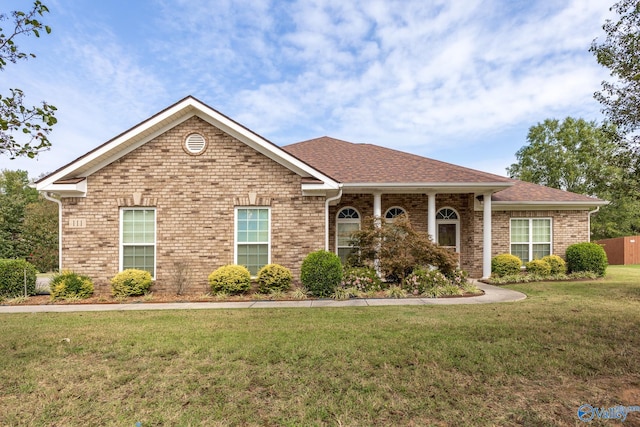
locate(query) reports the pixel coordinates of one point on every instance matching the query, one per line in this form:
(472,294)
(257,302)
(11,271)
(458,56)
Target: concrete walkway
(492,294)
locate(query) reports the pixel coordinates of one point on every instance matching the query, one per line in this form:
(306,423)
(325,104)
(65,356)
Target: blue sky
(456,80)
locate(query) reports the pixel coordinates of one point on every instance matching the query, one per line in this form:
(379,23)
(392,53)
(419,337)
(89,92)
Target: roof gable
(166,119)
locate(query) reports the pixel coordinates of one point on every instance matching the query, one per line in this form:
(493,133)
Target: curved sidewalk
(492,294)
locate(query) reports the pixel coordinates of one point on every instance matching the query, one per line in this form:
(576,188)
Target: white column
(377,207)
(486,236)
(431,216)
(377,214)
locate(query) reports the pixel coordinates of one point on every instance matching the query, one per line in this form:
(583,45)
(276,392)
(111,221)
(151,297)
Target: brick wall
(569,227)
(195,198)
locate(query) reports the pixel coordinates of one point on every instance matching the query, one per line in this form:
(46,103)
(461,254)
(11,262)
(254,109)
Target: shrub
(70,285)
(321,273)
(231,279)
(505,264)
(539,267)
(420,281)
(399,248)
(12,275)
(274,277)
(557,264)
(131,282)
(587,257)
(363,279)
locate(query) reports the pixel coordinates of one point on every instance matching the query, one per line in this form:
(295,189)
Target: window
(530,238)
(448,229)
(138,239)
(347,223)
(253,245)
(392,213)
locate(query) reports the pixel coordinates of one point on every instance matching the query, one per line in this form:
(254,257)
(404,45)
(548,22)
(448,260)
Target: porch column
(377,207)
(486,236)
(431,215)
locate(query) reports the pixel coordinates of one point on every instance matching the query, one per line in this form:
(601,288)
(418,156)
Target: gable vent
(195,144)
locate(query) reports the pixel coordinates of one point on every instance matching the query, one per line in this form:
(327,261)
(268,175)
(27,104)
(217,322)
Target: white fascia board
(427,187)
(66,190)
(537,205)
(113,145)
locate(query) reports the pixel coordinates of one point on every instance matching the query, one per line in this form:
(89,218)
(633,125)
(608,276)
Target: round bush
(557,264)
(364,279)
(321,273)
(70,285)
(538,267)
(274,277)
(232,279)
(12,275)
(131,282)
(505,264)
(586,257)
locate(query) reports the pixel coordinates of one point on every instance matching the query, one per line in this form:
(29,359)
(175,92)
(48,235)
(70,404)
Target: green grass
(527,363)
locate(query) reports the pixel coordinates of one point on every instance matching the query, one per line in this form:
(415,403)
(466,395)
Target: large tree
(572,155)
(28,222)
(23,129)
(581,157)
(620,97)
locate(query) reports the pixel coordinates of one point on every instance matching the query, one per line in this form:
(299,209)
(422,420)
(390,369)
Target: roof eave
(547,205)
(426,187)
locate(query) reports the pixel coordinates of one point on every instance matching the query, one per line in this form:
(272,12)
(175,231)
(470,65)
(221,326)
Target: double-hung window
(253,244)
(530,238)
(138,239)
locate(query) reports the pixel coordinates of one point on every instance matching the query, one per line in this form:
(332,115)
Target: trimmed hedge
(232,279)
(131,283)
(587,257)
(505,264)
(321,273)
(274,277)
(12,275)
(70,285)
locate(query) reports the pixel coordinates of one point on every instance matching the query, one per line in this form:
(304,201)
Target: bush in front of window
(230,279)
(557,264)
(274,278)
(12,278)
(587,257)
(70,285)
(131,283)
(505,265)
(321,273)
(538,267)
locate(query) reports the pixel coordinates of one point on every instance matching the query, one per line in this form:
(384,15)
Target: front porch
(460,221)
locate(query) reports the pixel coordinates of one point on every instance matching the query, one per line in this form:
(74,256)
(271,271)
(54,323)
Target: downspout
(48,197)
(589,220)
(326,217)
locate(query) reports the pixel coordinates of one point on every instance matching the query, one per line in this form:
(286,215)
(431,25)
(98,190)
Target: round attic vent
(195,144)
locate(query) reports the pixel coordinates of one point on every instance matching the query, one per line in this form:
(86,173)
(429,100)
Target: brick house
(191,186)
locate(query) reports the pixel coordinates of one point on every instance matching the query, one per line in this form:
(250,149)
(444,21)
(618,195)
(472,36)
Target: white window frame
(155,238)
(531,242)
(390,220)
(449,221)
(235,232)
(346,221)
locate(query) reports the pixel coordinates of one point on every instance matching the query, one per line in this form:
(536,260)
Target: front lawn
(532,362)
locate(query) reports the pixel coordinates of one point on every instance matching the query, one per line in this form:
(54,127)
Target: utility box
(622,250)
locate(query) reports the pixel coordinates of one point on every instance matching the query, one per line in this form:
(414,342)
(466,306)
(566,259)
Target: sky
(460,81)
